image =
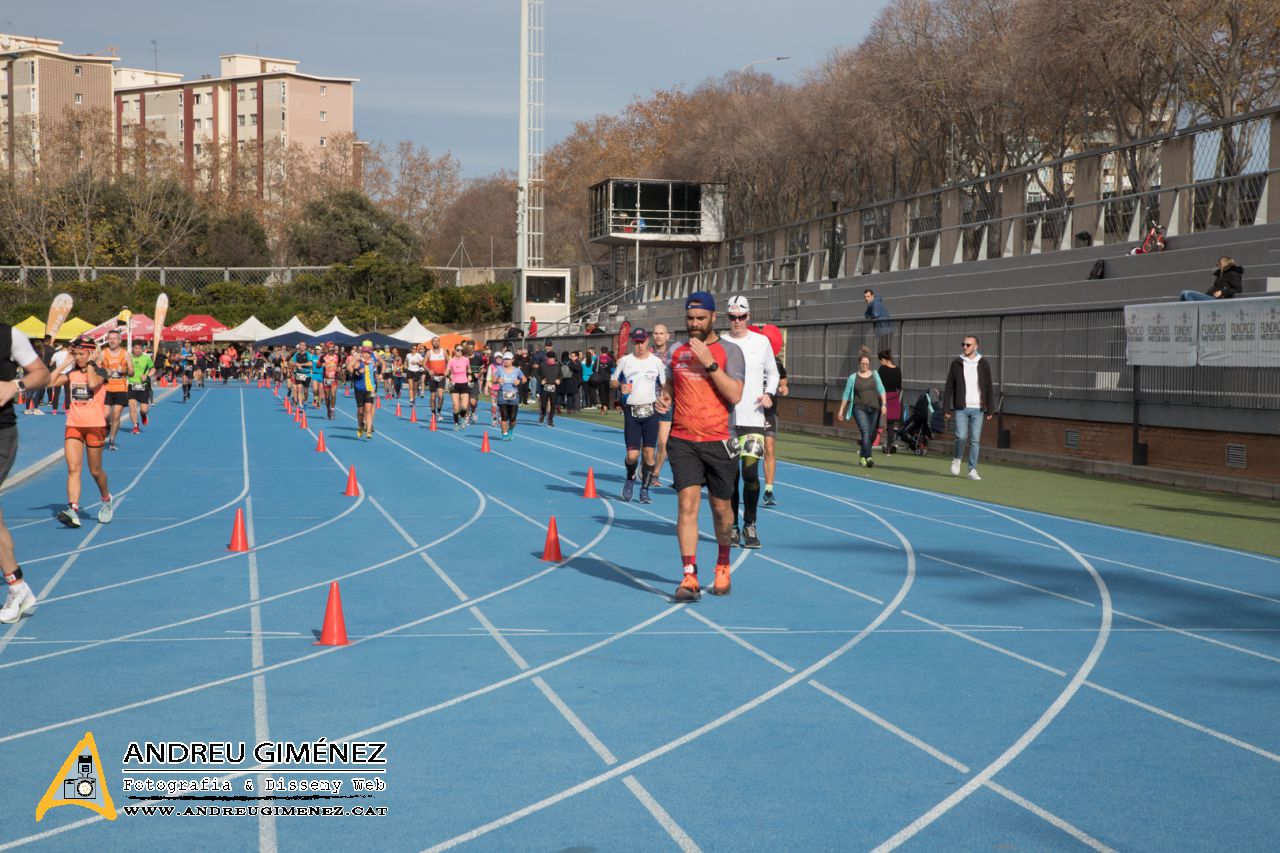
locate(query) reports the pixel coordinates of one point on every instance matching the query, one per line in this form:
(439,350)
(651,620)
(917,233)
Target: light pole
(743,69)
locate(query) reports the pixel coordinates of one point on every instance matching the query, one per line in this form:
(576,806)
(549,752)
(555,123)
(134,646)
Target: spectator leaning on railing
(1226,282)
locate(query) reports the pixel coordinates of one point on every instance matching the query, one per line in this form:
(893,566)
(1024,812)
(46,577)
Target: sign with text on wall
(1221,333)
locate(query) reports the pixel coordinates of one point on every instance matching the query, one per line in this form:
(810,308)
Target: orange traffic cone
(288,406)
(320,448)
(484,442)
(276,391)
(551,551)
(302,424)
(346,390)
(239,541)
(353,488)
(433,421)
(590,490)
(334,632)
(413,414)
(377,402)
(398,409)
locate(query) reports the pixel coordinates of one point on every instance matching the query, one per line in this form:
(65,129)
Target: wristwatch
(20,384)
(713,367)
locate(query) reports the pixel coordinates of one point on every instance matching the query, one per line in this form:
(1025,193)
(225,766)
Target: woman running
(494,384)
(86,430)
(457,370)
(365,381)
(202,364)
(509,379)
(397,373)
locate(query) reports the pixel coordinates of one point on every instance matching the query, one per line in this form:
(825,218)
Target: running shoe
(628,489)
(973,474)
(955,467)
(644,495)
(769,499)
(106,512)
(112,445)
(136,429)
(19,601)
(862,460)
(749,538)
(735,537)
(359,433)
(655,482)
(69,517)
(145,419)
(722,585)
(689,589)
(871,463)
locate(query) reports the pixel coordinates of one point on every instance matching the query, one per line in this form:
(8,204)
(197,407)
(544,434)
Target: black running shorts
(713,464)
(116,398)
(8,450)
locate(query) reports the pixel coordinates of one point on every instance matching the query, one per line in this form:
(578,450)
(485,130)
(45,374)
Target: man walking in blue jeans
(968,397)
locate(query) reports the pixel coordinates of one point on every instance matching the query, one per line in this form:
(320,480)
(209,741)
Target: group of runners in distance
(706,406)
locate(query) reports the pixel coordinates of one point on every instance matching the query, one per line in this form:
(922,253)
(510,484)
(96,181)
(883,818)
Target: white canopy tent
(294,325)
(335,325)
(249,330)
(414,332)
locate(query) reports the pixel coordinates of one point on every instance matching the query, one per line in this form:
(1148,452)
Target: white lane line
(1055,708)
(933,751)
(267,839)
(664,819)
(1008,580)
(625,768)
(724,632)
(948,629)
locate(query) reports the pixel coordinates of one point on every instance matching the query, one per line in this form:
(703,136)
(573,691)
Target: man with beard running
(705,383)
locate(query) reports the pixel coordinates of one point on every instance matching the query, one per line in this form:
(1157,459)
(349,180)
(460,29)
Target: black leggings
(547,400)
(750,490)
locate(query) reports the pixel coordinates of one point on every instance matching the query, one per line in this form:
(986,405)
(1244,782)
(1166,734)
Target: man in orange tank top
(86,430)
(117,364)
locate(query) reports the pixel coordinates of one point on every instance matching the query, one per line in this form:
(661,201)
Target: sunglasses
(967,344)
(738,318)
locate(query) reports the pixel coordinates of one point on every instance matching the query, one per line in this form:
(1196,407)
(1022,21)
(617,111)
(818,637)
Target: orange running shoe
(723,584)
(689,590)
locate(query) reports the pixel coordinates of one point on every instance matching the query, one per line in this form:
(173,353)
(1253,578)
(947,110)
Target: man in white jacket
(749,422)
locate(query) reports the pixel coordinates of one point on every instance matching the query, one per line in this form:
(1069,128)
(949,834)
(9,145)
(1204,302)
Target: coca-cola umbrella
(194,327)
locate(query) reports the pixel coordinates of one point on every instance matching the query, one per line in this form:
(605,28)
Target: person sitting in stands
(1226,282)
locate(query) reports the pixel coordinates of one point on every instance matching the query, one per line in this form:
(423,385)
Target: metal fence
(1075,355)
(40,281)
(1209,176)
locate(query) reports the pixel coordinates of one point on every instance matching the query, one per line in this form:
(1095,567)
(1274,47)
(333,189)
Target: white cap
(739,304)
(508,354)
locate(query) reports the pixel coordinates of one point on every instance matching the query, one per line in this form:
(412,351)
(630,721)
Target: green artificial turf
(1236,522)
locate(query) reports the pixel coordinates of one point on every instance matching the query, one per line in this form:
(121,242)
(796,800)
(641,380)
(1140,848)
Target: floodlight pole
(743,69)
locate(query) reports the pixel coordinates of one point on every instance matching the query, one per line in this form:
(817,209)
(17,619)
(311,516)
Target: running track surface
(894,668)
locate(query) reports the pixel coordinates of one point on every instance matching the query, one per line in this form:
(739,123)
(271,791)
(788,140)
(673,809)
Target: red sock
(690,561)
(723,557)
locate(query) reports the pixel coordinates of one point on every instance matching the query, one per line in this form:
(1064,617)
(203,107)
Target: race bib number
(80,392)
(642,411)
(731,447)
(138,386)
(328,380)
(114,374)
(510,396)
(300,376)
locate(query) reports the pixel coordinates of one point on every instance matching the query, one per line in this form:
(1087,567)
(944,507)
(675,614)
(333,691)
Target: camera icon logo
(79,782)
(83,786)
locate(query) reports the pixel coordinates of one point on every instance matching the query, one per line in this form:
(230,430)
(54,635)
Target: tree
(232,240)
(346,225)
(413,186)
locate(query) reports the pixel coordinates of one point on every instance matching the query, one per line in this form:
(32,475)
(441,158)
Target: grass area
(1235,522)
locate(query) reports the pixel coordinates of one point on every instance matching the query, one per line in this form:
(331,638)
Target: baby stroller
(919,427)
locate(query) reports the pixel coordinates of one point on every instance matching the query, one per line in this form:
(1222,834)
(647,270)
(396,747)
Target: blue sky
(443,73)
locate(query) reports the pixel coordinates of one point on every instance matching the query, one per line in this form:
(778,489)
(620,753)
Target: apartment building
(39,87)
(255,104)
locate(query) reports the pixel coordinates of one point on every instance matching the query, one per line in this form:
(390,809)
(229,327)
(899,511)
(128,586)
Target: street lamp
(743,69)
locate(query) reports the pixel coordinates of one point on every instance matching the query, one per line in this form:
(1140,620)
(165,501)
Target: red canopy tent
(142,326)
(193,327)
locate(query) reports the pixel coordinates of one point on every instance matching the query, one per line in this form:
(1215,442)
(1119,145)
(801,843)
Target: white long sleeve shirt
(761,378)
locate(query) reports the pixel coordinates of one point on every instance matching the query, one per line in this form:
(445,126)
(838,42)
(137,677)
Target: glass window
(324,90)
(322,142)
(242,94)
(79,71)
(79,98)
(324,116)
(240,120)
(197,98)
(253,119)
